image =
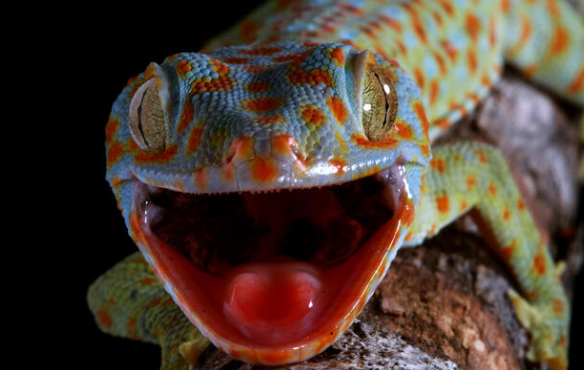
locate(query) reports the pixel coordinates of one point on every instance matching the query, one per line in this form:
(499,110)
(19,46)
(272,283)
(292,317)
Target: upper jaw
(335,293)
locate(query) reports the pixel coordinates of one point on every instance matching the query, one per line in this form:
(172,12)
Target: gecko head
(269,187)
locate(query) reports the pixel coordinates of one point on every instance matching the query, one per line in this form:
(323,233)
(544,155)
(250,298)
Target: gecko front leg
(128,301)
(473,177)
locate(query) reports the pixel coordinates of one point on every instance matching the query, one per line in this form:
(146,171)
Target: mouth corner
(271,278)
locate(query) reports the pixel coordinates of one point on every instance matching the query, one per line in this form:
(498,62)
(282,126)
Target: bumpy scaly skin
(284,112)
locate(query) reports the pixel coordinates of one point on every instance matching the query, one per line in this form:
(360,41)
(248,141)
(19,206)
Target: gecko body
(270,179)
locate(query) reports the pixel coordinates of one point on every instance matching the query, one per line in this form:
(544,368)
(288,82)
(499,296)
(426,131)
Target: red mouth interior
(269,269)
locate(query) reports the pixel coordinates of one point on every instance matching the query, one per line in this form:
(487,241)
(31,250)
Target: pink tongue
(265,296)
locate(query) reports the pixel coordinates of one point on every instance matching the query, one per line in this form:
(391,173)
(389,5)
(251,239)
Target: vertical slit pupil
(383,85)
(140,125)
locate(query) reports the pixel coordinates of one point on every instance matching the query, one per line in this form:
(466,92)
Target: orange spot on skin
(409,212)
(147,281)
(287,57)
(391,23)
(563,341)
(114,152)
(473,26)
(153,303)
(403,130)
(505,6)
(526,30)
(340,164)
(194,139)
(492,189)
(110,129)
(472,61)
(450,50)
(186,116)
(425,150)
(530,70)
(249,31)
(433,91)
(338,55)
(263,170)
(201,178)
(507,252)
(447,6)
(539,265)
(369,32)
(482,156)
(520,204)
(183,67)
(442,123)
(351,9)
(463,206)
(578,84)
(222,83)
(313,78)
(454,106)
(228,173)
(255,68)
(165,156)
(492,31)
(474,97)
(419,78)
(338,108)
(470,182)
(553,8)
(104,318)
(560,40)
(131,327)
(531,295)
(258,87)
(443,203)
(409,236)
(416,21)
(285,144)
(116,181)
(438,164)
(262,104)
(268,120)
(506,214)
(559,307)
(441,62)
(402,48)
(257,51)
(236,60)
(364,143)
(486,81)
(438,19)
(313,115)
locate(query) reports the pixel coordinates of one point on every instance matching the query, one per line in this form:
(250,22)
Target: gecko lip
(273,277)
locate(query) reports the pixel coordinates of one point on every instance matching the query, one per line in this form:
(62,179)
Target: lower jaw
(340,293)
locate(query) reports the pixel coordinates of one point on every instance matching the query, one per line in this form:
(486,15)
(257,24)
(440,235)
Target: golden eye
(147,117)
(379,103)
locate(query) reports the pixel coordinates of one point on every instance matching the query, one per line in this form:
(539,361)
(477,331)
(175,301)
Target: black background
(95,53)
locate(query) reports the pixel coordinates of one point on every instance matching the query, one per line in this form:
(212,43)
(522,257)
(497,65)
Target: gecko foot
(548,330)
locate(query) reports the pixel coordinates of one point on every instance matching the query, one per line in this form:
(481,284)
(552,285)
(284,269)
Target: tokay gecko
(270,179)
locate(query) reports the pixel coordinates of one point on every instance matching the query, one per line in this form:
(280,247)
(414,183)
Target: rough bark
(443,305)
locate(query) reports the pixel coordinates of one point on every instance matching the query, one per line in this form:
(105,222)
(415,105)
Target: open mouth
(272,277)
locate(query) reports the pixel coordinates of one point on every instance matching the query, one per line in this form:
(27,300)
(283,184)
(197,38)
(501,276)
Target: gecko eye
(147,117)
(379,103)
